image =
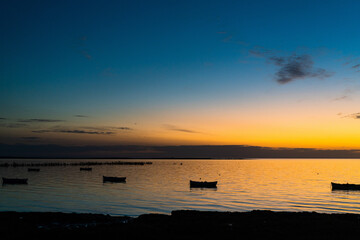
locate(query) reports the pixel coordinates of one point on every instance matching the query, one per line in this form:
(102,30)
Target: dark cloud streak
(13,125)
(40,120)
(30,138)
(297,67)
(75,131)
(354,116)
(85,132)
(174,128)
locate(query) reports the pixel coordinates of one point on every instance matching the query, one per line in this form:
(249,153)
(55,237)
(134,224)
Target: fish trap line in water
(62,164)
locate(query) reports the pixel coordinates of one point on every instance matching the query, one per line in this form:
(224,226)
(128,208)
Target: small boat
(345,186)
(198,184)
(114,179)
(33,169)
(85,169)
(14,180)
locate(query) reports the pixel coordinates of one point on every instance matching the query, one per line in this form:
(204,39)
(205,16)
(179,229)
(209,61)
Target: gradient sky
(264,73)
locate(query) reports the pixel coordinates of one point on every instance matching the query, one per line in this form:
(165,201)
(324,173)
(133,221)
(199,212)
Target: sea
(163,186)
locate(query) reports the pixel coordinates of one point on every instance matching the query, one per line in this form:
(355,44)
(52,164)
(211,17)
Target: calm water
(276,184)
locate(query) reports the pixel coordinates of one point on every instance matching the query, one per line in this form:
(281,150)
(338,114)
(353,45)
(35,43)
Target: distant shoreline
(99,158)
(181,224)
(174,158)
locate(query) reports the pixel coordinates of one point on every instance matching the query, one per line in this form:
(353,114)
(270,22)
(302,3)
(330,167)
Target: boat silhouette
(202,184)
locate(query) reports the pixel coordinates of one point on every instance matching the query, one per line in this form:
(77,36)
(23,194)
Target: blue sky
(121,62)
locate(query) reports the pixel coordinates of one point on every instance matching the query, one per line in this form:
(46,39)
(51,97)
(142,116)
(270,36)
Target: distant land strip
(62,164)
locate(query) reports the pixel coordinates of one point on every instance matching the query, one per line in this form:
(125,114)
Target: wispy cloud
(259,51)
(353,115)
(356,66)
(74,131)
(30,138)
(2,118)
(228,38)
(40,120)
(123,128)
(107,128)
(297,67)
(348,93)
(81,116)
(86,54)
(175,128)
(80,44)
(13,125)
(344,97)
(293,67)
(85,132)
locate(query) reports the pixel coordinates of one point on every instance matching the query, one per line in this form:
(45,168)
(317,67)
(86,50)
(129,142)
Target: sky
(276,74)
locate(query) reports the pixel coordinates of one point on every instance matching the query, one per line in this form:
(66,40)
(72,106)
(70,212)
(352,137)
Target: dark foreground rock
(181,225)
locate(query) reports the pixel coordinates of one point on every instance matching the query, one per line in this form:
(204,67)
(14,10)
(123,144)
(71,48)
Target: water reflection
(274,184)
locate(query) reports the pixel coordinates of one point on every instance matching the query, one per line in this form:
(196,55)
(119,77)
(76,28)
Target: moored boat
(199,184)
(85,169)
(14,180)
(33,169)
(345,186)
(114,179)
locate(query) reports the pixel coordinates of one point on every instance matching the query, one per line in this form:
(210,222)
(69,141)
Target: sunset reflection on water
(274,184)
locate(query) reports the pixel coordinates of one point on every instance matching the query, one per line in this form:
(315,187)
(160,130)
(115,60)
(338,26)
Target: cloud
(296,67)
(42,131)
(2,118)
(30,138)
(13,125)
(293,67)
(356,66)
(107,128)
(344,97)
(347,93)
(75,131)
(259,51)
(80,47)
(81,116)
(86,54)
(124,128)
(85,132)
(353,115)
(228,38)
(174,128)
(40,120)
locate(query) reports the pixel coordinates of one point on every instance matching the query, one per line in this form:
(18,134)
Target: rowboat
(85,169)
(345,186)
(197,184)
(114,179)
(33,169)
(14,180)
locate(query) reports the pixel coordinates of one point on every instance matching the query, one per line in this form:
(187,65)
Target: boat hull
(114,179)
(14,180)
(346,186)
(197,184)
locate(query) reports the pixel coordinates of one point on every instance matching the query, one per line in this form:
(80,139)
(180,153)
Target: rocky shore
(181,225)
